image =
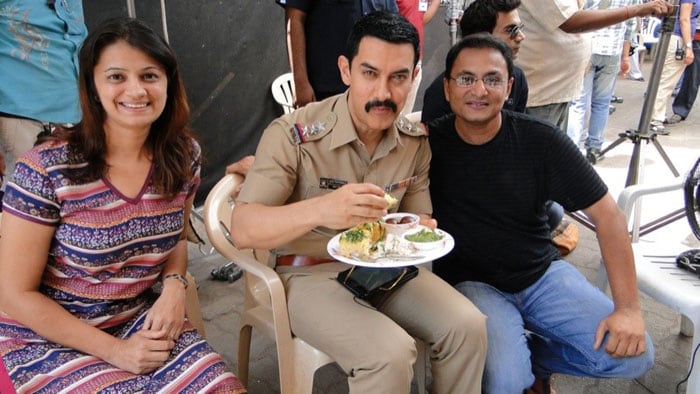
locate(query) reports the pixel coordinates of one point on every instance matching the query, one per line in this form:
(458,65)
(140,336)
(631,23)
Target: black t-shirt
(435,105)
(491,198)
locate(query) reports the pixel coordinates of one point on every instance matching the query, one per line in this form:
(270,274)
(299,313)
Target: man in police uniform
(322,169)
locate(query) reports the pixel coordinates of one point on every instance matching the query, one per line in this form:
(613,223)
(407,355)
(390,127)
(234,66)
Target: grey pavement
(221,302)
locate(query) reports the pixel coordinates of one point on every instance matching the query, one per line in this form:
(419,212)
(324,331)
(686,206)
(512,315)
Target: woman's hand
(143,352)
(168,312)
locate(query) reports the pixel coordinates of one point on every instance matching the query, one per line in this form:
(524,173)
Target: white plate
(421,256)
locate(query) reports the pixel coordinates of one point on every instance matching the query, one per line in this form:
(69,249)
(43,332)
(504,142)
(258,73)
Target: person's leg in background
(579,108)
(605,69)
(556,113)
(685,99)
(670,73)
(635,72)
(17,135)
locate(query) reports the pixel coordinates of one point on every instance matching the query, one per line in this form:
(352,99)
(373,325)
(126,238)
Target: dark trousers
(685,98)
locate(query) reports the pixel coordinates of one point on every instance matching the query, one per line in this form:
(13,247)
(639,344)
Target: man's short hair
(481,15)
(478,41)
(385,26)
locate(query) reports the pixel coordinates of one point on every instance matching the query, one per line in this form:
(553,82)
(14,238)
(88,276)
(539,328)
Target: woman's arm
(168,312)
(24,247)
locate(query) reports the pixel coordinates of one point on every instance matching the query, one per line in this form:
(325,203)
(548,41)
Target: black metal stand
(642,134)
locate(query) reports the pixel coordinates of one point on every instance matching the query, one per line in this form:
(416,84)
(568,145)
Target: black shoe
(615,99)
(593,155)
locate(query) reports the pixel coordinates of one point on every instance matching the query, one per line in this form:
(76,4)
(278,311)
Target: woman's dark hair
(386,26)
(170,138)
(479,40)
(482,15)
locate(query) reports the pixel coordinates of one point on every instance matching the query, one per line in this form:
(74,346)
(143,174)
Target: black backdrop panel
(229,52)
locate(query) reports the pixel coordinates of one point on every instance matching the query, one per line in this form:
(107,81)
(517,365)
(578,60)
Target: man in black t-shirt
(491,172)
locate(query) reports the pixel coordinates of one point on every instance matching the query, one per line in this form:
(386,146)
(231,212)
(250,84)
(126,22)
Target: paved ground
(222,302)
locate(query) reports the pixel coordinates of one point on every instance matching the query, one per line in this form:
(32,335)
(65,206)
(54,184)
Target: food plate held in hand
(372,244)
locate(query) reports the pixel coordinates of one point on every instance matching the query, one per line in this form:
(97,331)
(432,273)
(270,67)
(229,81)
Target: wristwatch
(688,44)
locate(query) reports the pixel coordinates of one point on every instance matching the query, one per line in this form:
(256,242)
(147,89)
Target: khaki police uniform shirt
(315,149)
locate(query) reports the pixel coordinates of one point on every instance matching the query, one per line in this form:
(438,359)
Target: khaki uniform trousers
(375,347)
(17,136)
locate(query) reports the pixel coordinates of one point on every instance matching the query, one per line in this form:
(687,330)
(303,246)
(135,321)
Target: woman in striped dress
(94,217)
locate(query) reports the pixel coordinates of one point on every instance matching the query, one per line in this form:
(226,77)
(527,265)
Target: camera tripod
(642,135)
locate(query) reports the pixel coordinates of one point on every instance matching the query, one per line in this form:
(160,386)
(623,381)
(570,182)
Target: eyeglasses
(466,80)
(514,30)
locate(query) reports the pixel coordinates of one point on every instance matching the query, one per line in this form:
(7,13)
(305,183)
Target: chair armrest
(629,196)
(278,297)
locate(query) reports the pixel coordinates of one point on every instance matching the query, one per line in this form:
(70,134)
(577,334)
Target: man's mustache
(376,103)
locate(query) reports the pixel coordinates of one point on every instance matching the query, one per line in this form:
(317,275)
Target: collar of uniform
(344,130)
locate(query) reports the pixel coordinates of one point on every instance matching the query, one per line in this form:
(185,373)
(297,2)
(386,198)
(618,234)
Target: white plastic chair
(657,273)
(265,306)
(283,91)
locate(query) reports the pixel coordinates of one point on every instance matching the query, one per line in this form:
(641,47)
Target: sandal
(658,129)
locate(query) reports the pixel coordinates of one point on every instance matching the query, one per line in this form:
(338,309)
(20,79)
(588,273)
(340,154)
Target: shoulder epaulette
(302,131)
(414,129)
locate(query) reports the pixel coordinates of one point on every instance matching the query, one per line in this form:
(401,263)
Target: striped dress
(106,254)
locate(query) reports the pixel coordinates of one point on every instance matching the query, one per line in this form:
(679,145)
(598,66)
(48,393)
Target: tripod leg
(663,154)
(633,171)
(615,143)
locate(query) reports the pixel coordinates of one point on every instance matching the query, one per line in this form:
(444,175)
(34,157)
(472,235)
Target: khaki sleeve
(273,176)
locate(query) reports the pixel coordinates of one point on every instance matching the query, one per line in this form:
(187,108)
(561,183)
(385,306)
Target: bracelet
(179,277)
(627,12)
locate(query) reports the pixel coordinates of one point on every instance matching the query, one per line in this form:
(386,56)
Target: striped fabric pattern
(107,253)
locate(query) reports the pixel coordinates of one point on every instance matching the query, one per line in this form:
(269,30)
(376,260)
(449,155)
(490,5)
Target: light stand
(642,133)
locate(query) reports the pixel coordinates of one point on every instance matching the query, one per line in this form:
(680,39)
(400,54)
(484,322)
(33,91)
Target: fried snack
(391,200)
(361,241)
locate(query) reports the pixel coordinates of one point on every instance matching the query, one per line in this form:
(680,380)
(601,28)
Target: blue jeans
(598,88)
(555,213)
(685,99)
(547,328)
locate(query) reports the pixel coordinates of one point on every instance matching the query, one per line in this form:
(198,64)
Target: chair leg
(420,366)
(694,379)
(244,353)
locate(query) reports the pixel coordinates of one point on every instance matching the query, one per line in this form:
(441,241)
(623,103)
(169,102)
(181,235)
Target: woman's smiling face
(132,87)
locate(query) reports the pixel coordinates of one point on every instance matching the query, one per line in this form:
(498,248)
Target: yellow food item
(391,200)
(361,240)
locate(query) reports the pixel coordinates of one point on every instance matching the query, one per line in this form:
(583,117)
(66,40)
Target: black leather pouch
(375,284)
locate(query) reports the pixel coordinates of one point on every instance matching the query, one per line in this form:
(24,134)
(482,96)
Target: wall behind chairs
(229,52)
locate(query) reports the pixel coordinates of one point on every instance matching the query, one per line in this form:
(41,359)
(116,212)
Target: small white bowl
(427,245)
(400,222)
